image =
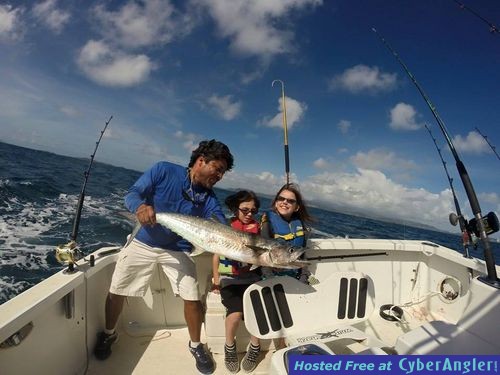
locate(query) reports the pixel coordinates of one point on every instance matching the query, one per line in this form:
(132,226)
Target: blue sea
(38,198)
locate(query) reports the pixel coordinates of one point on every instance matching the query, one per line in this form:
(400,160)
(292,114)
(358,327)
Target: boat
(371,296)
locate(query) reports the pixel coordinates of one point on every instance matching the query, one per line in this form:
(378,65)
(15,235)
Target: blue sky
(173,73)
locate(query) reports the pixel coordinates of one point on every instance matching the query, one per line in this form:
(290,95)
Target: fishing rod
(68,253)
(285,127)
(493,28)
(482,226)
(76,222)
(458,216)
(493,148)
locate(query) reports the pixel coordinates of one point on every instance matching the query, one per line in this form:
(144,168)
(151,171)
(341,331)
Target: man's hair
(212,150)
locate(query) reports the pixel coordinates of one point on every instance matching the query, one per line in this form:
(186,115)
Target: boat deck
(165,352)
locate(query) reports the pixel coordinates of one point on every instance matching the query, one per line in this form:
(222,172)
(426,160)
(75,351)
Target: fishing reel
(490,222)
(68,254)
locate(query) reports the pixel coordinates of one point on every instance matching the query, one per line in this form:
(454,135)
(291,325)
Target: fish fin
(132,235)
(258,249)
(254,267)
(196,251)
(127,215)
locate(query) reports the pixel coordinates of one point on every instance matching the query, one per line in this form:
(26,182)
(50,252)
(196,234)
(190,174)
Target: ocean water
(38,198)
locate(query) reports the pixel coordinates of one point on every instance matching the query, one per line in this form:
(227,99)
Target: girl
(232,278)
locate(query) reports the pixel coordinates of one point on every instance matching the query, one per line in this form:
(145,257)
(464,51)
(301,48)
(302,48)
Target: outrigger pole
(285,127)
(492,278)
(488,142)
(458,216)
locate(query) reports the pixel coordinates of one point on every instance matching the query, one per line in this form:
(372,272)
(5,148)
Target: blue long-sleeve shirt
(167,187)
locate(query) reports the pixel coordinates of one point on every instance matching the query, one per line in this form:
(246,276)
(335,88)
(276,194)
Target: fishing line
(481,223)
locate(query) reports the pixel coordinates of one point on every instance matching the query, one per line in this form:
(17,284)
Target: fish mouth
(294,260)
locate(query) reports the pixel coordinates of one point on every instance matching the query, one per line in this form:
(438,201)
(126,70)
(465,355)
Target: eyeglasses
(246,211)
(288,200)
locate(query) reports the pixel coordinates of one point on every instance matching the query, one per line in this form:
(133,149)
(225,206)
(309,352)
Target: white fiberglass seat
(285,307)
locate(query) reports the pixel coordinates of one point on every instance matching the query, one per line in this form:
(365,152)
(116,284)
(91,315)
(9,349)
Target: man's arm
(139,198)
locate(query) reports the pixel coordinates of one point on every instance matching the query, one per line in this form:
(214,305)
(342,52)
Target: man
(167,187)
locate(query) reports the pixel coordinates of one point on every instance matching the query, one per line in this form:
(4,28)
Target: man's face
(209,173)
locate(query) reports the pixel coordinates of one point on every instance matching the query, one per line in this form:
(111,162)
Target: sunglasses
(246,211)
(288,200)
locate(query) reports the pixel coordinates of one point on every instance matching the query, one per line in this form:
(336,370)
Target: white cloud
(362,79)
(190,141)
(371,192)
(295,110)
(344,126)
(113,68)
(263,183)
(224,107)
(10,23)
(53,18)
(69,111)
(252,26)
(143,23)
(403,117)
(381,159)
(474,143)
(320,163)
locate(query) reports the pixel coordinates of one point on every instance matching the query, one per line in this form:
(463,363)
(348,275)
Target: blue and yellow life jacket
(292,232)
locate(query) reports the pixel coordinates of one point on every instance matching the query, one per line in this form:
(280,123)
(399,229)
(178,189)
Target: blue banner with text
(394,364)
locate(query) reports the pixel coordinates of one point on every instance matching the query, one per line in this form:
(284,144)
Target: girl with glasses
(232,278)
(286,221)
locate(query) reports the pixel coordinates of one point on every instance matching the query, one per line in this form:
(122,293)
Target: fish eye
(291,250)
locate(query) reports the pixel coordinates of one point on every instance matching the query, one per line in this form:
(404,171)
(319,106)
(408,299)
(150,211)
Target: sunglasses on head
(246,211)
(288,200)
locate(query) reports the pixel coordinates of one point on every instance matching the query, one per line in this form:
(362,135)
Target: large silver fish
(223,240)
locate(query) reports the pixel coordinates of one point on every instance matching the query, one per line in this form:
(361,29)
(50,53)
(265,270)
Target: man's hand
(146,215)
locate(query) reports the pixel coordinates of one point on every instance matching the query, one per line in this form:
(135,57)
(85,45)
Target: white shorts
(135,266)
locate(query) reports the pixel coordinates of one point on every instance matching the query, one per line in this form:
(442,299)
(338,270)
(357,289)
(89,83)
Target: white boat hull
(67,310)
